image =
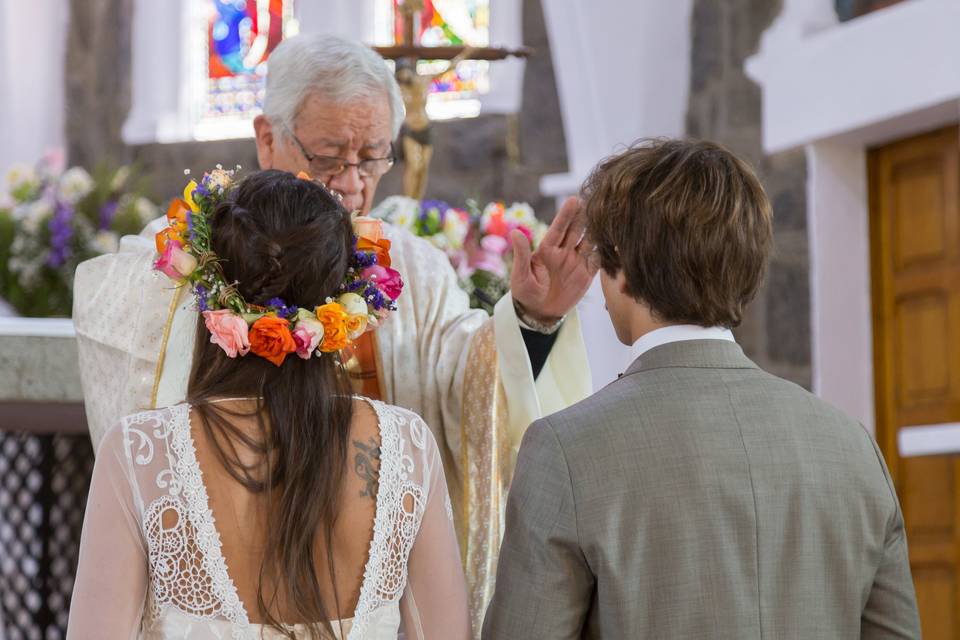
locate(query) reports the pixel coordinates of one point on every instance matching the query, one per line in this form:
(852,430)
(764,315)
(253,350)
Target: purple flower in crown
(357,286)
(364,259)
(203,296)
(283,310)
(107,213)
(375,298)
(61,233)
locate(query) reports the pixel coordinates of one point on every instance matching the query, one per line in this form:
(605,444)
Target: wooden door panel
(928,501)
(936,593)
(918,188)
(923,362)
(915,256)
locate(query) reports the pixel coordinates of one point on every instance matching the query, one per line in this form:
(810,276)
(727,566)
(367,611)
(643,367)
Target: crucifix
(416,135)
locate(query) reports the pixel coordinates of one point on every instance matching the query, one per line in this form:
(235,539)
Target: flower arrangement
(53,220)
(367,295)
(476,240)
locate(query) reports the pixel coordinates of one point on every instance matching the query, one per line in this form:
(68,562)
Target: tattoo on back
(363,464)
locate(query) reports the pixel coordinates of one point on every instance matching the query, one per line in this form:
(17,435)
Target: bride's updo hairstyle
(279,236)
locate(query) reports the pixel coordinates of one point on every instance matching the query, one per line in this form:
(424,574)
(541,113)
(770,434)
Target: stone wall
(98,82)
(725,107)
(490,157)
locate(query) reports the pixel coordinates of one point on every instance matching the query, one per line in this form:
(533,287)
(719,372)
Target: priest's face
(359,130)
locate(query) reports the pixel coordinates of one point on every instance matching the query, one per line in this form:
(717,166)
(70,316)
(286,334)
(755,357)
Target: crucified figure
(416,134)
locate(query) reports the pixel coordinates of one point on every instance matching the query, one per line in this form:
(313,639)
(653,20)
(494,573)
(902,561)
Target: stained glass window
(455,92)
(237,38)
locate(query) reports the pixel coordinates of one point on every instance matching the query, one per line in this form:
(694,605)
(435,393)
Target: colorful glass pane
(240,36)
(445,23)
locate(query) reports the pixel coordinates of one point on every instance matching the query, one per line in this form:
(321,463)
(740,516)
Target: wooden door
(915,247)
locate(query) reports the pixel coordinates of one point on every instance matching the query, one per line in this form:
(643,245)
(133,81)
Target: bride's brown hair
(282,237)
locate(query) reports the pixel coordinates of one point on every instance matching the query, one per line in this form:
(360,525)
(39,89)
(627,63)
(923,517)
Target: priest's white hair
(336,68)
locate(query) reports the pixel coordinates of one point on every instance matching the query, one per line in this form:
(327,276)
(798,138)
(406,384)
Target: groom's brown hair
(689,225)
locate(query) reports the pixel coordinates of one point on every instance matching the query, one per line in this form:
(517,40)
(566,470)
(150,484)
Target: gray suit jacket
(700,497)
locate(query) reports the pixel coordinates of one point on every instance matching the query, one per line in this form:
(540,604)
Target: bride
(272,503)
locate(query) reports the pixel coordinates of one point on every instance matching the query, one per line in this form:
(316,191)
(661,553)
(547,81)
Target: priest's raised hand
(550,281)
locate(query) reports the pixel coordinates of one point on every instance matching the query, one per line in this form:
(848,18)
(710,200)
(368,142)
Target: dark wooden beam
(395,52)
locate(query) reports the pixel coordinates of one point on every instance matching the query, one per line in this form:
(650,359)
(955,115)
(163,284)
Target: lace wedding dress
(151,563)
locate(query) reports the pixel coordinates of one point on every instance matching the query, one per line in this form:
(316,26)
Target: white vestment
(467,374)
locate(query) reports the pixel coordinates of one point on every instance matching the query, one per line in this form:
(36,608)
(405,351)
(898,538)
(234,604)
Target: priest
(332,109)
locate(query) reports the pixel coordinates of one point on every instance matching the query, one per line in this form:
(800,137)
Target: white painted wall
(842,334)
(32,48)
(623,73)
(854,76)
(837,90)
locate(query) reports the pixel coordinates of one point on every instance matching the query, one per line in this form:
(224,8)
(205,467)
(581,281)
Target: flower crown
(365,298)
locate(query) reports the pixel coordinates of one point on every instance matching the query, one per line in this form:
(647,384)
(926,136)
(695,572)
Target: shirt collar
(678,333)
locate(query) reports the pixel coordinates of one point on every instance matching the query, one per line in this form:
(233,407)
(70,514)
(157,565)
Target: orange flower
(334,321)
(367,227)
(164,236)
(270,338)
(381,248)
(177,211)
(177,215)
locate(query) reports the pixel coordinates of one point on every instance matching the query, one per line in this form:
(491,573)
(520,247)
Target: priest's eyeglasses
(330,166)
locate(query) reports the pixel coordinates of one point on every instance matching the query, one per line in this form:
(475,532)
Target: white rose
(353,304)
(74,185)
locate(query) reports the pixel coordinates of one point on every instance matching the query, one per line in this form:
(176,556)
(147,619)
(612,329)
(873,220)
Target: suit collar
(695,354)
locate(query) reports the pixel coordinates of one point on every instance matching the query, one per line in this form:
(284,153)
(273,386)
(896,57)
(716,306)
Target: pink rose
(386,279)
(307,334)
(369,228)
(174,262)
(228,330)
(490,256)
(495,244)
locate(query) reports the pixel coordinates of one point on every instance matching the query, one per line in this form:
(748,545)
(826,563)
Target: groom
(332,109)
(697,496)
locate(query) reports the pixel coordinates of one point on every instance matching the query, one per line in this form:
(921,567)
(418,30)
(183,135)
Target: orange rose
(381,248)
(164,236)
(334,321)
(369,228)
(177,216)
(177,211)
(270,338)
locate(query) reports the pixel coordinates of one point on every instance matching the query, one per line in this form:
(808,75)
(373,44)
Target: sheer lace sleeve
(434,602)
(111,585)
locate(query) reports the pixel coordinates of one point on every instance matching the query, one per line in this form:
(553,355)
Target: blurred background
(848,109)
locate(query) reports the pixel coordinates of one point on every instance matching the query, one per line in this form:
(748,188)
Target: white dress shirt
(678,333)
